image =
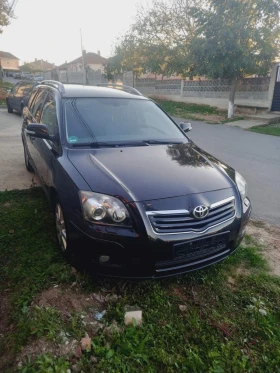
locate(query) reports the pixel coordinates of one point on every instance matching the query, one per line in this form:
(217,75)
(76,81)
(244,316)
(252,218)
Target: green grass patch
(271,129)
(224,326)
(206,113)
(6,84)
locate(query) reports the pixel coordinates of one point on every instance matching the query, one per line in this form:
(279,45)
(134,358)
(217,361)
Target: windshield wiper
(161,142)
(98,144)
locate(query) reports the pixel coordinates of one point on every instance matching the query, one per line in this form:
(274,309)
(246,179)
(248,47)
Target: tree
(234,38)
(5,14)
(164,31)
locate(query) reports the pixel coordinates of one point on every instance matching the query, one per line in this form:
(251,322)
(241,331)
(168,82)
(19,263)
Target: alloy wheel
(60,228)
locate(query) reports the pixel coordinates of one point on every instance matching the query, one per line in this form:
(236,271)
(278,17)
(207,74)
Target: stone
(112,298)
(111,329)
(86,343)
(78,352)
(182,308)
(93,360)
(130,315)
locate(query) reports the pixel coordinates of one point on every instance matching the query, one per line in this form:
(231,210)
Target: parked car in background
(38,78)
(17,97)
(17,76)
(132,194)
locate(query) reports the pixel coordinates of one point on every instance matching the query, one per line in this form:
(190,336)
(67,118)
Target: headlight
(241,185)
(104,209)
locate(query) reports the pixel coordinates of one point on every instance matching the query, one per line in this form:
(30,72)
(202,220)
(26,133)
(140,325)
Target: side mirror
(186,127)
(39,131)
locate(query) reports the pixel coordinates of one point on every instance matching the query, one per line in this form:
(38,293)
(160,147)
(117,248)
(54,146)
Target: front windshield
(117,120)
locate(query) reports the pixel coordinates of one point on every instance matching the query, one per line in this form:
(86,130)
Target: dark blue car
(132,194)
(18,96)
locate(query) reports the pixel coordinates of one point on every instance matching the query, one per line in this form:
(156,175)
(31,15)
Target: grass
(225,326)
(271,129)
(196,112)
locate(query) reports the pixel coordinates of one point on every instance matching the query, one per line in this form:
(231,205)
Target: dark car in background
(132,194)
(17,97)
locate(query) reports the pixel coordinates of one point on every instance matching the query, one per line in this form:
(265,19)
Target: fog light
(104,259)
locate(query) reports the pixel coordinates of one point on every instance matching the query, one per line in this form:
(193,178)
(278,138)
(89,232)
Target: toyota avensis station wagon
(132,194)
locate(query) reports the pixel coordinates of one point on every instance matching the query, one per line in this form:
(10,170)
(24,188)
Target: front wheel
(61,230)
(26,160)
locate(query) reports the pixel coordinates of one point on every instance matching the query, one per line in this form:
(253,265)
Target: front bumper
(142,254)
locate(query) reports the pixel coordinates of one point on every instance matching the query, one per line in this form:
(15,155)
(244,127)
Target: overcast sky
(50,29)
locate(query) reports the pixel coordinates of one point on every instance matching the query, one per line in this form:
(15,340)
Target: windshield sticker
(72,139)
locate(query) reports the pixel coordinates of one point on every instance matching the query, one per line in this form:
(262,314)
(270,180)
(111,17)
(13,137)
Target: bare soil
(268,236)
(68,300)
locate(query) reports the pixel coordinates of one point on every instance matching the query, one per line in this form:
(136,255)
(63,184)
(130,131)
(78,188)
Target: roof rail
(55,84)
(121,87)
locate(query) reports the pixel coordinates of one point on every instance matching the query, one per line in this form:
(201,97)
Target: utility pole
(83,60)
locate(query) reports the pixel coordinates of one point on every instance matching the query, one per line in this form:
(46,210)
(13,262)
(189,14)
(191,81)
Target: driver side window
(49,117)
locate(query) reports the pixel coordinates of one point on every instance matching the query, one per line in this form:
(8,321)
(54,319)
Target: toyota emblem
(200,212)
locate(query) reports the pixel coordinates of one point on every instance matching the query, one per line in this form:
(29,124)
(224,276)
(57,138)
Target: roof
(38,65)
(90,58)
(8,55)
(75,90)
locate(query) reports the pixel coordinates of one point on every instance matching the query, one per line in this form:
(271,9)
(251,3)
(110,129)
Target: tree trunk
(232,91)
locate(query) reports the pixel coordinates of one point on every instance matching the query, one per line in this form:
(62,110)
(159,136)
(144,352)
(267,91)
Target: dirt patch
(68,300)
(268,236)
(43,346)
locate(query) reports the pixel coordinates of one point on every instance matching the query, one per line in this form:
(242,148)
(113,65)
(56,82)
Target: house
(37,66)
(92,60)
(9,62)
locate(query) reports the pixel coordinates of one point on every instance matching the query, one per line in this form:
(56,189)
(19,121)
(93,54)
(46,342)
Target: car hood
(151,172)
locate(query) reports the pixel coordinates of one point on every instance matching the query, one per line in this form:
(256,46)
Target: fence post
(182,88)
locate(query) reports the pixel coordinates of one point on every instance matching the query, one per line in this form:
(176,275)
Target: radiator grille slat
(163,222)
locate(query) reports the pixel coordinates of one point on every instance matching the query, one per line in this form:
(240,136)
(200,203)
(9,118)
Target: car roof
(77,90)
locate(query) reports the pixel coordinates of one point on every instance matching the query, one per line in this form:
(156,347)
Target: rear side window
(21,88)
(28,88)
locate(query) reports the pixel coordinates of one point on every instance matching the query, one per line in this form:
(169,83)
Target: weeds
(220,328)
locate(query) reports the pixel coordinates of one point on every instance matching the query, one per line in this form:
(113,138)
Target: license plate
(201,247)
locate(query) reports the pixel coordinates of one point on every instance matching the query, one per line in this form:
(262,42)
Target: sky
(50,30)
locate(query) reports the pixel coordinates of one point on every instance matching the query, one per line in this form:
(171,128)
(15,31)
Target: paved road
(13,174)
(255,156)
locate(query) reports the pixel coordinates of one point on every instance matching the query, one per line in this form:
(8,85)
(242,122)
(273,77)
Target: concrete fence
(92,77)
(251,92)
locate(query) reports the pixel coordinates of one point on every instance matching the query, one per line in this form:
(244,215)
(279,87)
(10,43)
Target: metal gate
(276,96)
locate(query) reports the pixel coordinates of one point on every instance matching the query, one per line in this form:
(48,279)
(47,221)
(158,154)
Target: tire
(10,109)
(68,246)
(65,243)
(26,160)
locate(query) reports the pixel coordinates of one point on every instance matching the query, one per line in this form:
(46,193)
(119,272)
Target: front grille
(182,221)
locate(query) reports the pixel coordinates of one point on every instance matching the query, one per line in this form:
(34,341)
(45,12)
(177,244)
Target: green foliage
(46,364)
(267,130)
(225,327)
(235,37)
(5,14)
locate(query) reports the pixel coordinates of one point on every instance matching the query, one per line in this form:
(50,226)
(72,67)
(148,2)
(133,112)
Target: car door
(12,95)
(34,116)
(48,149)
